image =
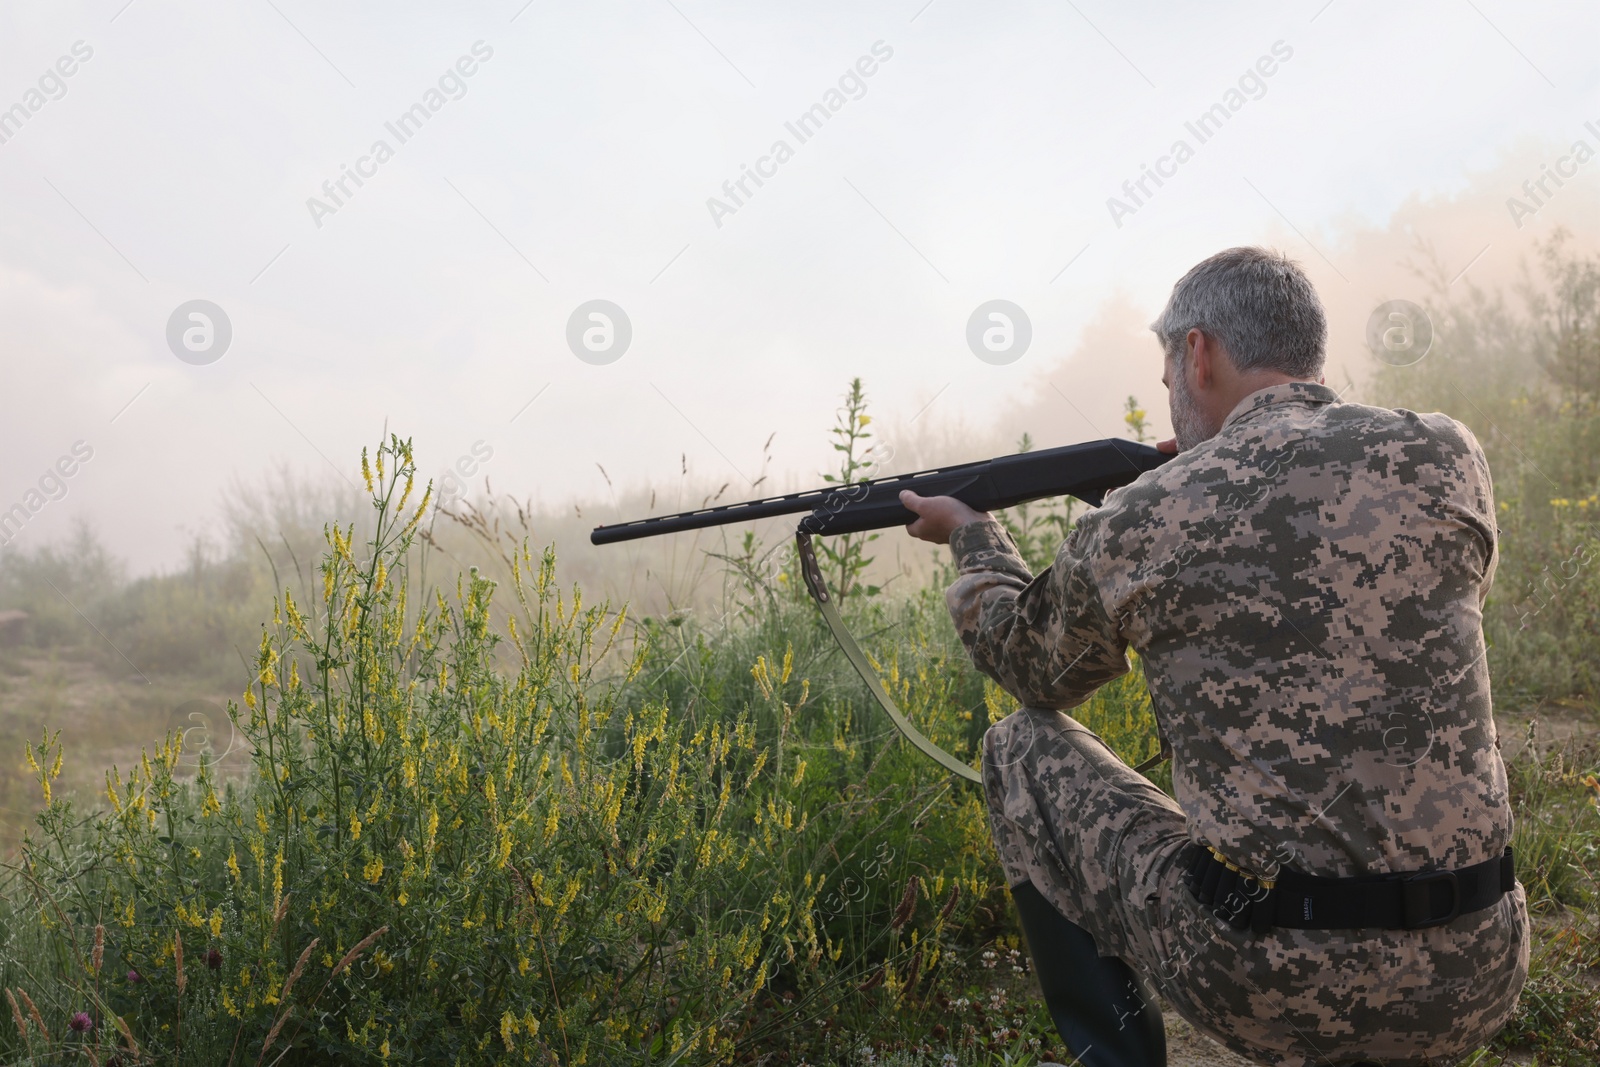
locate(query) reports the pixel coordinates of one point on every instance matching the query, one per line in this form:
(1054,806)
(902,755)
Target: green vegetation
(1558,862)
(470,817)
(492,823)
(844,559)
(1528,383)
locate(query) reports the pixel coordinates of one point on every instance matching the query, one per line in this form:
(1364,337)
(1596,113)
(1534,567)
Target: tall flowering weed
(455,845)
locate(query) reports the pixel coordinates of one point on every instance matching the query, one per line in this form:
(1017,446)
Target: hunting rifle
(1087,471)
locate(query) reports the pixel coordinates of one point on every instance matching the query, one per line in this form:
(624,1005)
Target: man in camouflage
(1304,585)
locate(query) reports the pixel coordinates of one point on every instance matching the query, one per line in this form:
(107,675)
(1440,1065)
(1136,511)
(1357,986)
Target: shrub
(463,841)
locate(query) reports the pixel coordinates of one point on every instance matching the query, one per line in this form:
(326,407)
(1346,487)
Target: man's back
(1305,590)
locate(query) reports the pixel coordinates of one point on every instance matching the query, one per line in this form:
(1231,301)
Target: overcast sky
(959,153)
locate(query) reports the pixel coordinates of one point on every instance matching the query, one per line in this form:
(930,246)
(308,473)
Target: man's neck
(1244,385)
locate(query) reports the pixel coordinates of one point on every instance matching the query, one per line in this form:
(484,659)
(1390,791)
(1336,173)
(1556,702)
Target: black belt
(1300,901)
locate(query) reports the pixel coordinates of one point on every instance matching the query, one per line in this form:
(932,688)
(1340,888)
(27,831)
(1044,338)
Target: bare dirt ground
(1187,1047)
(104,720)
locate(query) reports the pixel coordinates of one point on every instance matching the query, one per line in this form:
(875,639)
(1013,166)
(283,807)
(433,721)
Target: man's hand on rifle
(938,516)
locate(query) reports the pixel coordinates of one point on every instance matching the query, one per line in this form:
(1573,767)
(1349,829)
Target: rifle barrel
(1085,470)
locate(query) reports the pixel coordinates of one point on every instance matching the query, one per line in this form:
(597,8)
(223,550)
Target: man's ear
(1203,353)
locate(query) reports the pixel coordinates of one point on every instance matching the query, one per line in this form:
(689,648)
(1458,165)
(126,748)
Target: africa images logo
(452,85)
(52,86)
(805,126)
(1251,85)
(1537,191)
(199,332)
(51,486)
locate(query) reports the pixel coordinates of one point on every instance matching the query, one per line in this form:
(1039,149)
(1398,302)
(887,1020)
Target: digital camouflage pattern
(1102,845)
(1305,592)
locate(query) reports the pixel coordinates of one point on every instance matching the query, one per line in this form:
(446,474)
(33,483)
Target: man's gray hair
(1258,304)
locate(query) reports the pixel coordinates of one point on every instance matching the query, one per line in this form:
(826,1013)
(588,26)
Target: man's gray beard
(1188,423)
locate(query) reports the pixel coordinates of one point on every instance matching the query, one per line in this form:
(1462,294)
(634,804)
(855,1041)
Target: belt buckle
(1416,904)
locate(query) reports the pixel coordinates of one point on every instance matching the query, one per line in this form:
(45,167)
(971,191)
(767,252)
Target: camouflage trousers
(1101,844)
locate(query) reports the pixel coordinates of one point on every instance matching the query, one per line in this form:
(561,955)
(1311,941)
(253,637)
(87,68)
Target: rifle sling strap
(818,588)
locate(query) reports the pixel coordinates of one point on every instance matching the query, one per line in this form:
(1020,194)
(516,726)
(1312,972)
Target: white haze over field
(562,153)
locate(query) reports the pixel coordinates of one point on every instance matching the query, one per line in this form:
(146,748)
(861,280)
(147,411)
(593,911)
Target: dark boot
(1106,1014)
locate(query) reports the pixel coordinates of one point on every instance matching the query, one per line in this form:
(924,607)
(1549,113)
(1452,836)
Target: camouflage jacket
(1305,590)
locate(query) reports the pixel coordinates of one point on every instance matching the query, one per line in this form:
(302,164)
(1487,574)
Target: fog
(536,157)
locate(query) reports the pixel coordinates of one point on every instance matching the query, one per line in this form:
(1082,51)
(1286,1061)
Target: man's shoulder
(1380,446)
(1339,434)
(1380,424)
(1395,448)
